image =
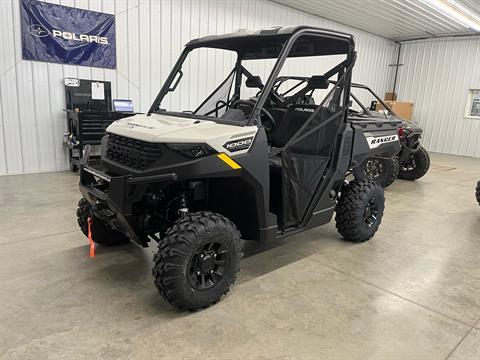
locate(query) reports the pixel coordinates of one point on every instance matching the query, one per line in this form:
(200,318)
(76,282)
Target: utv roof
(267,43)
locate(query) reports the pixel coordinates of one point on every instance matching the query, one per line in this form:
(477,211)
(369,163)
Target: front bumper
(112,197)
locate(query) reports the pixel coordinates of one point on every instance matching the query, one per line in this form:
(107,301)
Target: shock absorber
(183,208)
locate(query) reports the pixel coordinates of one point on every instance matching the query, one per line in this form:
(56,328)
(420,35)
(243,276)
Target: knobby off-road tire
(83,212)
(102,234)
(416,167)
(197,260)
(477,193)
(359,210)
(382,170)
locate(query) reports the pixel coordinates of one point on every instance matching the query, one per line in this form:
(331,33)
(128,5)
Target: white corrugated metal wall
(150,35)
(437,75)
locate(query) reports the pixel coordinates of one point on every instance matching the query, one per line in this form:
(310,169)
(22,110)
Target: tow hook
(90,239)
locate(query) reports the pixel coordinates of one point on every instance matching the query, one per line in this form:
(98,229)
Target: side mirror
(318,82)
(254,82)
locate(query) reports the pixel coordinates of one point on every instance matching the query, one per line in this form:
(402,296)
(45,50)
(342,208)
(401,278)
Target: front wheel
(102,234)
(359,210)
(416,166)
(382,170)
(197,261)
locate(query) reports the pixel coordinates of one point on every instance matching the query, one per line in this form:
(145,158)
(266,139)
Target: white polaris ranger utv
(236,166)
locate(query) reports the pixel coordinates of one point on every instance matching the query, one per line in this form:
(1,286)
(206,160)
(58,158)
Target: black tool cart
(89,113)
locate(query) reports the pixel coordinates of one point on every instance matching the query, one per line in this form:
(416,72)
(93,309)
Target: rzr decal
(237,145)
(374,142)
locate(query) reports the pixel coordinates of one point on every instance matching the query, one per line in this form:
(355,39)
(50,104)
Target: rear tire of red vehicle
(415,167)
(197,260)
(102,234)
(359,210)
(382,170)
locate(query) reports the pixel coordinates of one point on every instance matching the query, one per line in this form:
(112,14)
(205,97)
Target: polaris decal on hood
(374,142)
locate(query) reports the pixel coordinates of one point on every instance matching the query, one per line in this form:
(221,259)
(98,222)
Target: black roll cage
(303,79)
(379,99)
(361,86)
(345,67)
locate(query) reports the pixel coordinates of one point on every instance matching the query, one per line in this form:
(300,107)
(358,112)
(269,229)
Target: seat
(278,115)
(293,120)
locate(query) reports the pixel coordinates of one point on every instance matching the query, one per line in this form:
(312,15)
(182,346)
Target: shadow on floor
(129,267)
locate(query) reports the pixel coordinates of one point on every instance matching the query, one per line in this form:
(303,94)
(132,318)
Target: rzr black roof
(267,43)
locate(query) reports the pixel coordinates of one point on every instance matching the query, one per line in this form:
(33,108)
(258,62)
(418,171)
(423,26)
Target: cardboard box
(403,109)
(391,96)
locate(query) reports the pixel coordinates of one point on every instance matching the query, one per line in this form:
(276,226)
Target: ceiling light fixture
(457,12)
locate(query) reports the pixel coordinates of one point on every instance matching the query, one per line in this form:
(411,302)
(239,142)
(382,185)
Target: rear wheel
(197,261)
(102,234)
(477,193)
(359,210)
(382,170)
(416,166)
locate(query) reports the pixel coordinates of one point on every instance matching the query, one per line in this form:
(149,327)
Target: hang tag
(98,91)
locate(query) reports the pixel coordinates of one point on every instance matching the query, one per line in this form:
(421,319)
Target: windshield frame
(254,118)
(166,87)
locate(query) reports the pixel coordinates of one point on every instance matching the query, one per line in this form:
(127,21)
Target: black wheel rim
(371,212)
(373,168)
(208,265)
(409,165)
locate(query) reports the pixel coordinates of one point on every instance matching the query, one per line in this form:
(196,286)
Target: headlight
(192,151)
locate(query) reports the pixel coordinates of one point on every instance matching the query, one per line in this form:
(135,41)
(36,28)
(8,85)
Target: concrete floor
(412,292)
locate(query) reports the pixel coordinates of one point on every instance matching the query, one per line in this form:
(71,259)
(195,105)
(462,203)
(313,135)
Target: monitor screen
(122,105)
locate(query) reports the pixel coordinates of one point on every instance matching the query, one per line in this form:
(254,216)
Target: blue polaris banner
(67,35)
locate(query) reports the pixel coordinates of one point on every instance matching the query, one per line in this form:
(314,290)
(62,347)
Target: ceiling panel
(393,19)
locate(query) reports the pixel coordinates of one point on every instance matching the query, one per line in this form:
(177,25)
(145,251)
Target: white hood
(172,129)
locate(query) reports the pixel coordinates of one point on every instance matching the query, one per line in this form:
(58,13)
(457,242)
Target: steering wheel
(274,98)
(269,123)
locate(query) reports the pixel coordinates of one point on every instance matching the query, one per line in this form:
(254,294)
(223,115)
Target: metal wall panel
(436,76)
(150,36)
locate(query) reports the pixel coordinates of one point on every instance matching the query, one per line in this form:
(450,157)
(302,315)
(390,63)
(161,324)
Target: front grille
(132,153)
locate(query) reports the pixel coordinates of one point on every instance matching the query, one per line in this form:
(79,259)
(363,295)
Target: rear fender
(374,138)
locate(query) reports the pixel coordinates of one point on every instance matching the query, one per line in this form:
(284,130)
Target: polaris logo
(374,142)
(304,109)
(237,145)
(80,37)
(38,30)
(41,31)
